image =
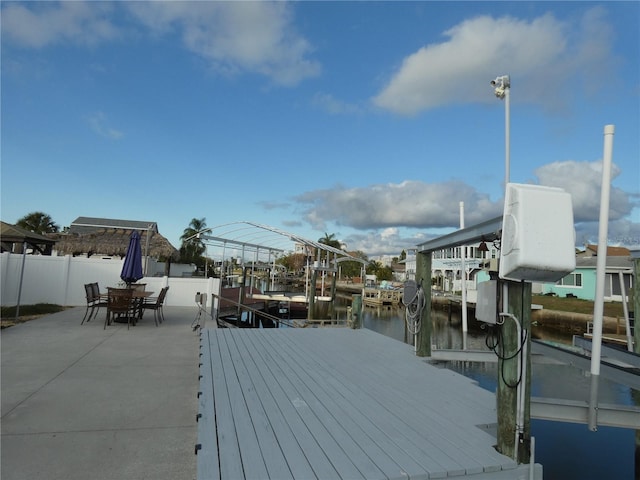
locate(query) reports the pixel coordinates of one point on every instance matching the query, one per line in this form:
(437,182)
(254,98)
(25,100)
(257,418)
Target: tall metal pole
(507,171)
(24,259)
(507,134)
(503,91)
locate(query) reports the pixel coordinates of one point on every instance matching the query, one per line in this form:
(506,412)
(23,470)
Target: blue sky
(367,120)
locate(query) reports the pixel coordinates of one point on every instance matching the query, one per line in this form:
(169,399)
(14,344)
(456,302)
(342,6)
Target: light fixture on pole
(502,88)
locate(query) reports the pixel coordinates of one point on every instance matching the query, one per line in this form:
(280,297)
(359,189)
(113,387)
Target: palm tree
(331,241)
(192,245)
(38,222)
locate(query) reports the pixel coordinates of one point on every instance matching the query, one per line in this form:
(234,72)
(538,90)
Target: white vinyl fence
(60,280)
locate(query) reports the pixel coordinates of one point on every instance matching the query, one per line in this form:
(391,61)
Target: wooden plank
(299,466)
(322,467)
(268,445)
(458,421)
(228,452)
(341,435)
(453,440)
(207,460)
(252,461)
(415,445)
(364,429)
(295,392)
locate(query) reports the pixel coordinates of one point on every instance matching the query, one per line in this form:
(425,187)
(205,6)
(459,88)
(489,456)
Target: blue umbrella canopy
(132,268)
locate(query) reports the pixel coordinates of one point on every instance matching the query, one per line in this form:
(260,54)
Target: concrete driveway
(81,402)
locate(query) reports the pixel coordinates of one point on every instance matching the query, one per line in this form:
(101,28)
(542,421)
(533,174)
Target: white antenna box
(538,236)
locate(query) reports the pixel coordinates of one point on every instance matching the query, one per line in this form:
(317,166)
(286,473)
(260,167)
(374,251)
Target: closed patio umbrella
(132,268)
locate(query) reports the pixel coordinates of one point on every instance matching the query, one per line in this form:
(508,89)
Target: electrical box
(538,236)
(487,302)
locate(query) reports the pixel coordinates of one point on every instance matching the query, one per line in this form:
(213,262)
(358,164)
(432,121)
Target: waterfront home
(581,282)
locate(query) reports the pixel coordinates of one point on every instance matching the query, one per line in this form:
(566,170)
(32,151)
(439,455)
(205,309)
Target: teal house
(581,282)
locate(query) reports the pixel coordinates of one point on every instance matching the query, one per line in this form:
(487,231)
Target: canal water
(567,451)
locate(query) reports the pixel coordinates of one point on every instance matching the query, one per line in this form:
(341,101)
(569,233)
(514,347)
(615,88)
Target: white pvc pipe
(532,459)
(601,259)
(601,263)
(463,274)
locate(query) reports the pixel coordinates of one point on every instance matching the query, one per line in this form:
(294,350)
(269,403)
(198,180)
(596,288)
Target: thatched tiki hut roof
(113,242)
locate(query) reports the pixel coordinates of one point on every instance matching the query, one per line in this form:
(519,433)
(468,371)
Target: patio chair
(156,304)
(120,305)
(99,299)
(90,297)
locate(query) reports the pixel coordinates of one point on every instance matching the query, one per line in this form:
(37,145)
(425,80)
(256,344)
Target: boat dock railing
(231,313)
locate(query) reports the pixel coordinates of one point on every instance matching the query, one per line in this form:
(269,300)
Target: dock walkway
(338,404)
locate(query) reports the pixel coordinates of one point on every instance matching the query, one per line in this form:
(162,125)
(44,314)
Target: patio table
(138,297)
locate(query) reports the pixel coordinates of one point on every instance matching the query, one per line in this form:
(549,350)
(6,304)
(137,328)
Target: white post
(601,263)
(507,135)
(463,275)
(625,309)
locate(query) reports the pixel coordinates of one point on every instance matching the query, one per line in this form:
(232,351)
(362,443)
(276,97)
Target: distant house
(592,251)
(582,281)
(89,236)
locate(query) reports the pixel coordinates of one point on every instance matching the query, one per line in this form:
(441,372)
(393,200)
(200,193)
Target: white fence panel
(60,280)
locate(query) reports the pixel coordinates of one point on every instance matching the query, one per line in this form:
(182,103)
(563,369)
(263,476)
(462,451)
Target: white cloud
(100,125)
(409,204)
(44,24)
(373,244)
(236,37)
(583,181)
(332,105)
(383,214)
(542,56)
(233,37)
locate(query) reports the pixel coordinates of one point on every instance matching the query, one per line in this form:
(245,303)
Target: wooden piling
(423,277)
(356,311)
(519,305)
(312,295)
(332,306)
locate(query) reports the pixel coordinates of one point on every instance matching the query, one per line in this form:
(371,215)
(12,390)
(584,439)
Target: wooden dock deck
(338,404)
(381,296)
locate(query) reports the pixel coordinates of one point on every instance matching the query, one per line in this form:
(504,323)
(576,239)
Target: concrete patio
(82,402)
